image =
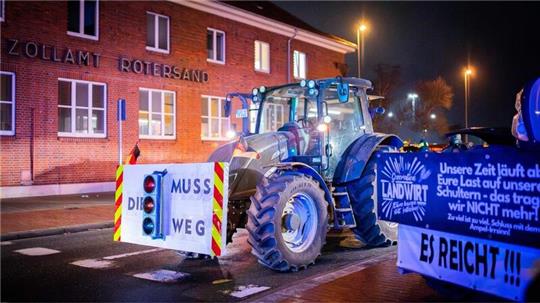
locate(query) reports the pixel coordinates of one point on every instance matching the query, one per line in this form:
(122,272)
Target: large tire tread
(361,193)
(261,227)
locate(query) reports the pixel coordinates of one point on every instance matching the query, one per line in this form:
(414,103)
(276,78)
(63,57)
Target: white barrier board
(191,217)
(489,266)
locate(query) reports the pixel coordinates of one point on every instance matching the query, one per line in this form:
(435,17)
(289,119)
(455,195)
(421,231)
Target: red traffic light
(149,184)
(148,205)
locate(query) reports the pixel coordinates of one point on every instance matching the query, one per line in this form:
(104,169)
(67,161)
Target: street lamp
(413,97)
(390,114)
(433,116)
(360,45)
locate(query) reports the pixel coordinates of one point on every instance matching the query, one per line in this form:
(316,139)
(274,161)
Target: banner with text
(194,219)
(492,195)
(489,266)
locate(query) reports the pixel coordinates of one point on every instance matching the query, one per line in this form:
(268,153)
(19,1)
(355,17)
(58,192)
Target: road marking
(133,254)
(6,243)
(248,290)
(162,275)
(93,263)
(283,294)
(37,251)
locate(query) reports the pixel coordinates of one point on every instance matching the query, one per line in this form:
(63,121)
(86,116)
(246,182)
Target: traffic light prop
(152,223)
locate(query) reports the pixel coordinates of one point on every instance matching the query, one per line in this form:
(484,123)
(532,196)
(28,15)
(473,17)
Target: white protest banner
(489,266)
(194,205)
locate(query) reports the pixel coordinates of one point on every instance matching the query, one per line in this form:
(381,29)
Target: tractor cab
(321,117)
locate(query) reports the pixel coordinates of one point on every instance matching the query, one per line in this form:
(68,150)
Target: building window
(7,103)
(157,114)
(214,124)
(83,19)
(215,44)
(2,10)
(299,61)
(262,56)
(157,33)
(82,108)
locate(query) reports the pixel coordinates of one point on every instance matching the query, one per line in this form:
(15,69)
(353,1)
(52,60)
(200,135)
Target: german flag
(133,154)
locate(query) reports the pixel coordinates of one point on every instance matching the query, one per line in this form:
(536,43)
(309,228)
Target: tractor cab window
(275,113)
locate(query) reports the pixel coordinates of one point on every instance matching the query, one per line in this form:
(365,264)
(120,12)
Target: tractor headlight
(262,89)
(303,83)
(255,92)
(311,84)
(313,92)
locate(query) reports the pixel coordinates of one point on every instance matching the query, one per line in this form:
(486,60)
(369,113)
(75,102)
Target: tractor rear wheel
(362,193)
(287,221)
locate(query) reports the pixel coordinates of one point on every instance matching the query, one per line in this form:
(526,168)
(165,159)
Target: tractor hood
(248,161)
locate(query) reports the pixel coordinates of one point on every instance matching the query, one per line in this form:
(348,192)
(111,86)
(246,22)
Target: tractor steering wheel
(305,123)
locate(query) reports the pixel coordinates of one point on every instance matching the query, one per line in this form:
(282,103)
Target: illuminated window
(214,124)
(7,103)
(157,33)
(262,56)
(83,19)
(299,61)
(81,108)
(157,114)
(215,44)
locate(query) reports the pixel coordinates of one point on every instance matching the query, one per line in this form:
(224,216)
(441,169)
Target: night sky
(427,39)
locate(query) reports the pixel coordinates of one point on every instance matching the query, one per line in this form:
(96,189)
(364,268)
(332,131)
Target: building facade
(64,65)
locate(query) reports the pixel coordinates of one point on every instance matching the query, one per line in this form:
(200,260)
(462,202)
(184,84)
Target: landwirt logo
(402,188)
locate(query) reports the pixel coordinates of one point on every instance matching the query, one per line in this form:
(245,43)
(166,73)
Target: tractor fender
(305,169)
(356,156)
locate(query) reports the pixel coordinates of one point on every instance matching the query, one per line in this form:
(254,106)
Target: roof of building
(270,10)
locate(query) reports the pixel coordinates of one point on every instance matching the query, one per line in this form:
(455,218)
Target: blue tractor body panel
(356,156)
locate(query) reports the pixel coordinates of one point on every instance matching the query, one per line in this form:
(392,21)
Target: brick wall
(122,32)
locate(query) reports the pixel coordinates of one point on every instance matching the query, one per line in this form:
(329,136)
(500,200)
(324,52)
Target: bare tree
(435,97)
(386,80)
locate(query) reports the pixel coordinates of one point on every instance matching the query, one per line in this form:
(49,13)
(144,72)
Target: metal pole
(362,48)
(414,109)
(358,50)
(120,142)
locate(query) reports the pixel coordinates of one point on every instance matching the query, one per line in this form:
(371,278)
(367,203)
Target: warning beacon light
(152,224)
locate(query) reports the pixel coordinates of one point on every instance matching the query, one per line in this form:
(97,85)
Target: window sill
(215,61)
(82,136)
(75,34)
(169,138)
(158,50)
(262,71)
(216,139)
(7,133)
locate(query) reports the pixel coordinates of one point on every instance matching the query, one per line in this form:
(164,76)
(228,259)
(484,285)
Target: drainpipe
(289,55)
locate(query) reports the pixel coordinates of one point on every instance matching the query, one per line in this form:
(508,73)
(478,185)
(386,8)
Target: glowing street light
(360,45)
(390,114)
(433,116)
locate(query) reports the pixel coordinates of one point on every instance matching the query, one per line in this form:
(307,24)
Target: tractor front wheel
(287,221)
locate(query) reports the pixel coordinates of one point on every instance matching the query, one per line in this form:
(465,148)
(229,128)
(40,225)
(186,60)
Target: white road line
(93,263)
(133,254)
(244,291)
(37,251)
(162,275)
(312,282)
(6,243)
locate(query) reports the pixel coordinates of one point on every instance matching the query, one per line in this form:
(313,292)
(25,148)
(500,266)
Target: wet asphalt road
(234,277)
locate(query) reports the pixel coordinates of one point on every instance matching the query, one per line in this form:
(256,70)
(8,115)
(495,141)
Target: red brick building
(64,65)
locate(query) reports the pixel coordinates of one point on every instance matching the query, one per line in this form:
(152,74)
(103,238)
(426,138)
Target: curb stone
(54,231)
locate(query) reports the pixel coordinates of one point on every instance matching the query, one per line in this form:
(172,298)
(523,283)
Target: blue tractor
(304,163)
